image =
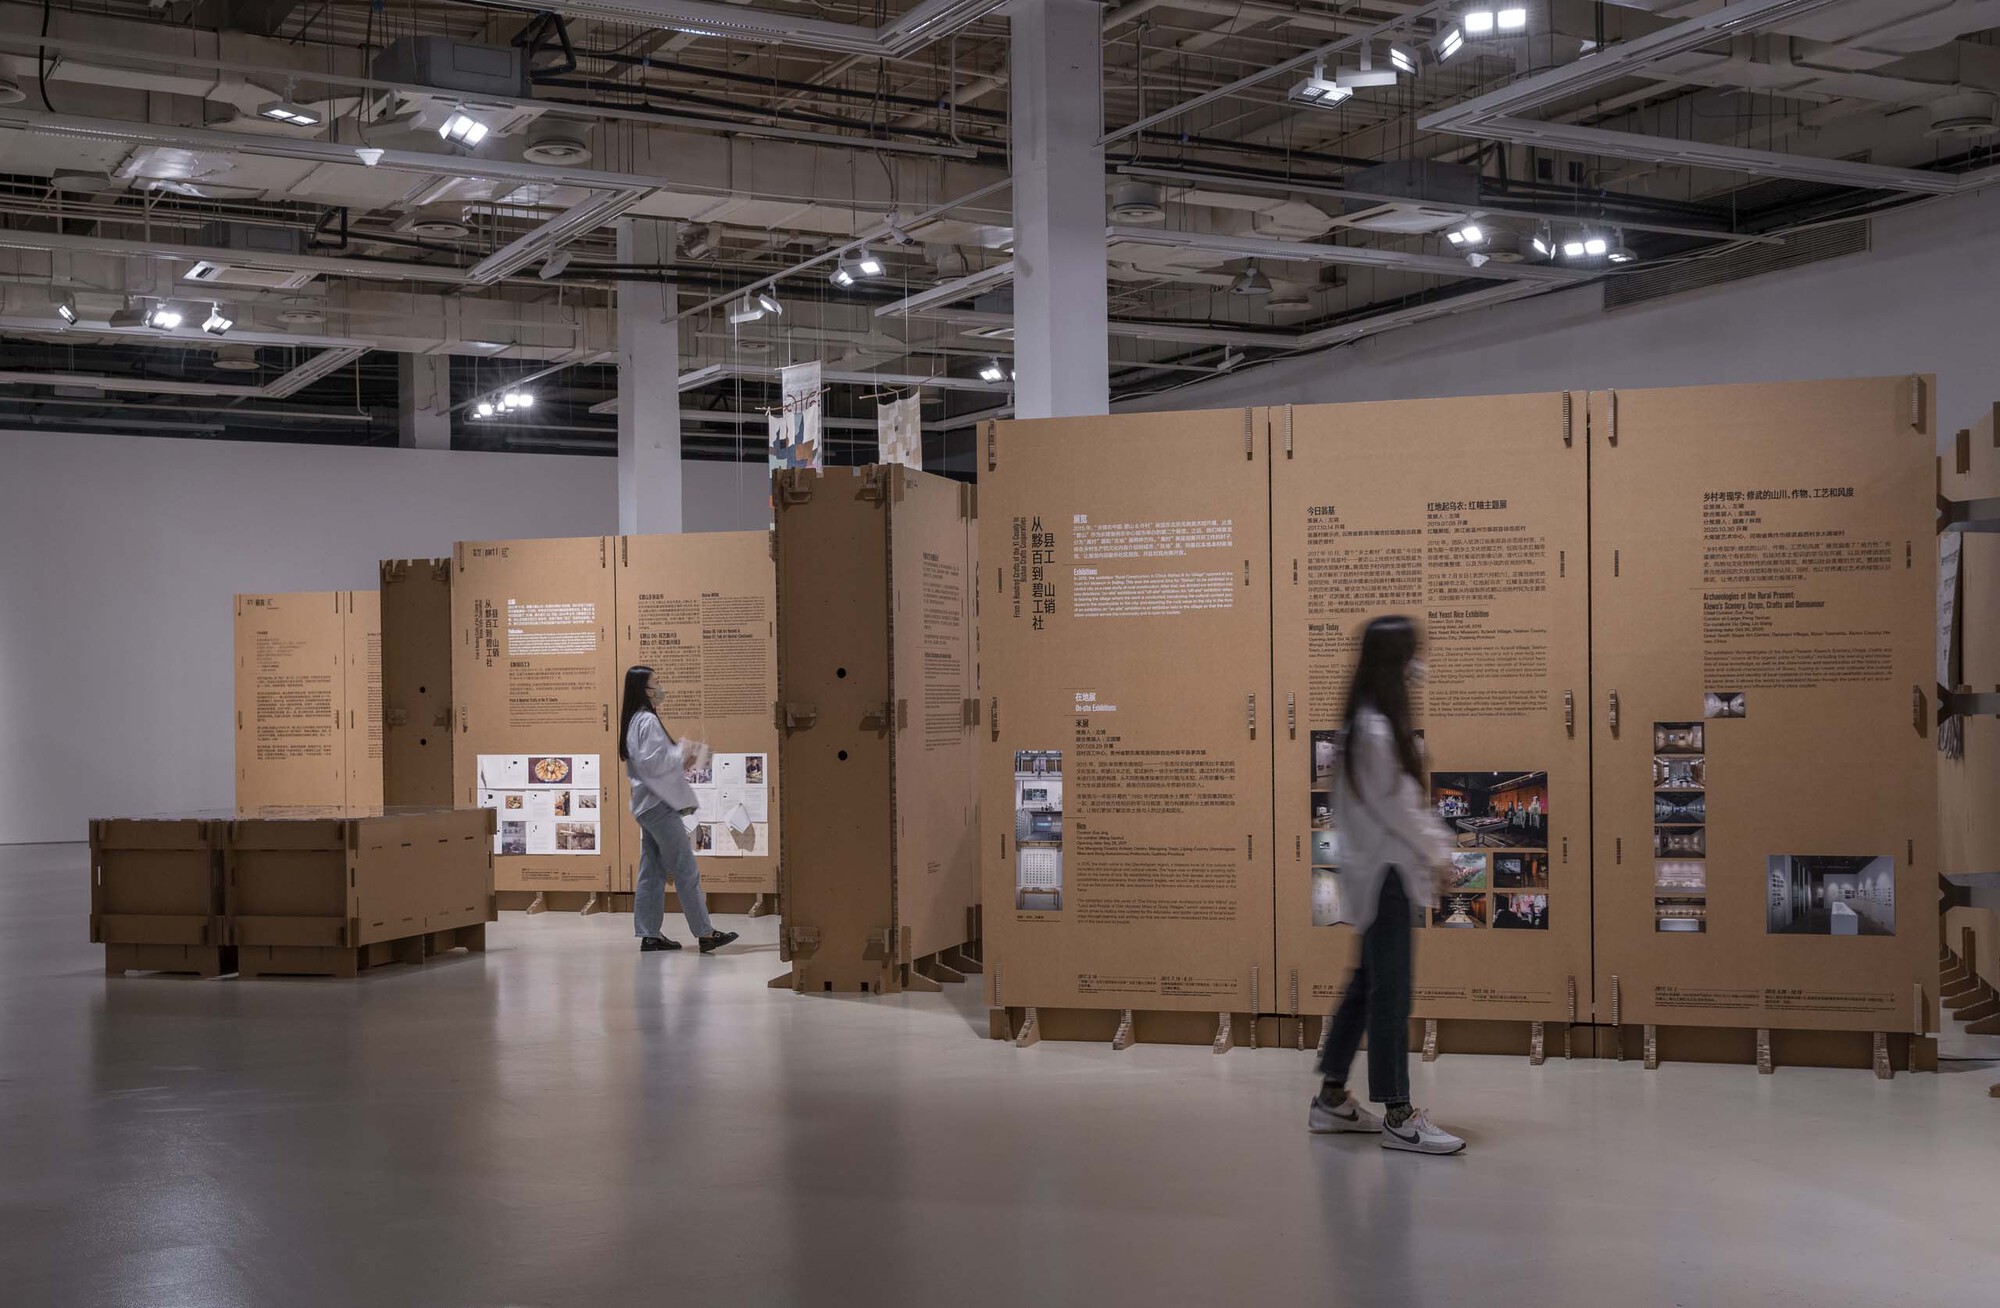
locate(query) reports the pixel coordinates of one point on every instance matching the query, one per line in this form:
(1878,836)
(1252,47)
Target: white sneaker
(1419,1136)
(1350,1116)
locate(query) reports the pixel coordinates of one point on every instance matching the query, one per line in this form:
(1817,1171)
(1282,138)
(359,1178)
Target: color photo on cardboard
(1325,754)
(1460,911)
(1677,738)
(1830,895)
(1520,912)
(1725,704)
(1467,872)
(1521,871)
(1680,842)
(1680,772)
(1680,914)
(1493,809)
(1038,859)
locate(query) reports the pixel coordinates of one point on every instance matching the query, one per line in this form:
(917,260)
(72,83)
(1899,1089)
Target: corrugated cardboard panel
(834,690)
(1467,515)
(291,700)
(1969,786)
(416,681)
(1125,648)
(361,656)
(1764,580)
(701,611)
(937,750)
(535,678)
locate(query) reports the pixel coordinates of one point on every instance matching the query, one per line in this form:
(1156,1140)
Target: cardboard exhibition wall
(1466,514)
(1125,640)
(308,701)
(875,665)
(700,609)
(1763,578)
(417,717)
(1969,785)
(534,678)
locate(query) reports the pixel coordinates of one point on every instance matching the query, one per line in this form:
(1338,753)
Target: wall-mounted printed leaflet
(1465,515)
(1758,615)
(1124,625)
(534,679)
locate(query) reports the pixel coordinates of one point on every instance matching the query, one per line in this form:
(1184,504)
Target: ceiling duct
(449,64)
(250,241)
(256,17)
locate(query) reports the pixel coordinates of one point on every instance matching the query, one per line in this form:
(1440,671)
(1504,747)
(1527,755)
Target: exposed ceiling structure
(318,189)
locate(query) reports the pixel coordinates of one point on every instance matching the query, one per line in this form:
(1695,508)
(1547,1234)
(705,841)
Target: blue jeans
(664,848)
(1377,1002)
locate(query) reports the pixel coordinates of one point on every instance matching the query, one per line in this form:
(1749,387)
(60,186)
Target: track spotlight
(994,371)
(163,317)
(1544,243)
(1511,18)
(1450,43)
(1403,59)
(291,114)
(217,322)
(1470,234)
(1317,90)
(1251,281)
(66,309)
(554,265)
(746,311)
(1621,252)
(769,304)
(461,128)
(1572,249)
(867,264)
(483,409)
(1484,20)
(1595,246)
(1477,22)
(854,267)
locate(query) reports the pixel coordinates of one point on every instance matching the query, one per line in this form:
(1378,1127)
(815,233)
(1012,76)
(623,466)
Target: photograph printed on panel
(1680,914)
(1520,912)
(1460,911)
(1724,704)
(1329,906)
(1493,809)
(1677,738)
(1830,895)
(1680,772)
(1521,871)
(1038,830)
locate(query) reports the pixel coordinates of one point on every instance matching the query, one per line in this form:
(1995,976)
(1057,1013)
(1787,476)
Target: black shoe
(653,944)
(715,940)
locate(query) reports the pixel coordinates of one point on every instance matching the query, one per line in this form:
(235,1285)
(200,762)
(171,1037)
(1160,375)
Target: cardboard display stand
(1464,514)
(1763,574)
(156,896)
(534,678)
(417,715)
(876,684)
(1124,595)
(701,610)
(1969,784)
(308,700)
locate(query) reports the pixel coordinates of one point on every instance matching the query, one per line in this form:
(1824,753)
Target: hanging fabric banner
(795,428)
(900,438)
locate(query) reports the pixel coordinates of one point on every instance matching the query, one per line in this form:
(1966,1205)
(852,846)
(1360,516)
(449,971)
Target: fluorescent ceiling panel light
(461,128)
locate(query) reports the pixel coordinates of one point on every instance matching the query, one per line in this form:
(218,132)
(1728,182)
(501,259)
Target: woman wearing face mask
(1391,845)
(661,796)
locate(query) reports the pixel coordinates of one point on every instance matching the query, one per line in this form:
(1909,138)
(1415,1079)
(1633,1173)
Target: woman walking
(661,796)
(1391,844)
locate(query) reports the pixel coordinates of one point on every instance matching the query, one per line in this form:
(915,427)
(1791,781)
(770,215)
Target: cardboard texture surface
(156,897)
(1125,648)
(838,883)
(1769,615)
(1969,786)
(308,700)
(534,678)
(1466,514)
(416,682)
(701,610)
(876,665)
(348,882)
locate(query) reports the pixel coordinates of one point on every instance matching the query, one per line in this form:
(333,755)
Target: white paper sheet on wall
(547,803)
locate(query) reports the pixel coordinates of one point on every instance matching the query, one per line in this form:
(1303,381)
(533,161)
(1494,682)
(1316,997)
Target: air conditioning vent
(249,241)
(1830,242)
(209,272)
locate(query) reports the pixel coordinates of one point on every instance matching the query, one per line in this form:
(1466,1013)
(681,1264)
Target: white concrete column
(423,401)
(1061,359)
(649,395)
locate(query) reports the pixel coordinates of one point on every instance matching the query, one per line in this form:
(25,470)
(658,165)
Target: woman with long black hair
(661,797)
(1390,846)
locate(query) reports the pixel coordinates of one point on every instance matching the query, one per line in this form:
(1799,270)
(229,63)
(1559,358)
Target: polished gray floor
(564,1121)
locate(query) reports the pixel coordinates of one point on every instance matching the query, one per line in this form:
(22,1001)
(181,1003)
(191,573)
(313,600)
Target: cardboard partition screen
(701,611)
(308,697)
(1466,515)
(416,682)
(834,694)
(932,526)
(1969,641)
(1763,572)
(1125,646)
(535,679)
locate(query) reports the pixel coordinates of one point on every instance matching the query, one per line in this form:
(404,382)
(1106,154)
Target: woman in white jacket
(1390,847)
(661,797)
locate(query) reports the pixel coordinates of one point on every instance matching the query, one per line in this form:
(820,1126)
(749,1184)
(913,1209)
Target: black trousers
(1377,1002)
